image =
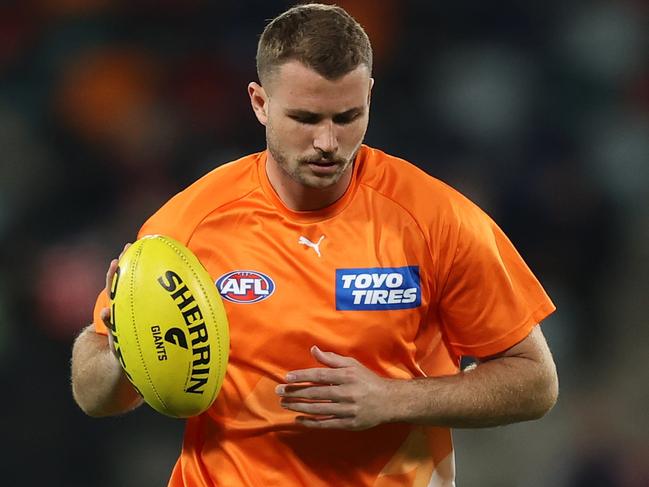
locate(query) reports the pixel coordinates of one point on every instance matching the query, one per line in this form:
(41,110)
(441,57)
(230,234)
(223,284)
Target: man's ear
(369,92)
(259,101)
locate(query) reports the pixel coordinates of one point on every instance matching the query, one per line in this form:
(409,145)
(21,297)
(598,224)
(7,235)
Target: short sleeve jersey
(402,273)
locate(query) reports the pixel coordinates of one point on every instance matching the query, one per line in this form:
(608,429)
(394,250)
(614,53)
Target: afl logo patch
(245,286)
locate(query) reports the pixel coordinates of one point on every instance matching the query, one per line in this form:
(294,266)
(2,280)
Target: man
(344,371)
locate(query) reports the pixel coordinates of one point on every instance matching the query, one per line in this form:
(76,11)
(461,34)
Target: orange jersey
(402,273)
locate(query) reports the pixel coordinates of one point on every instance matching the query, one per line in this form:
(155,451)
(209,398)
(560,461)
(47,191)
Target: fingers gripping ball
(169,327)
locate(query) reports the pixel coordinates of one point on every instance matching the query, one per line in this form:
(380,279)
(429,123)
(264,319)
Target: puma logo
(309,243)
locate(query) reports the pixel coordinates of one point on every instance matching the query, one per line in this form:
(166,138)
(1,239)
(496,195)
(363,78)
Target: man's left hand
(343,395)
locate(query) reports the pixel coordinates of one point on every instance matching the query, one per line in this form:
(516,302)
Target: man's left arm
(518,384)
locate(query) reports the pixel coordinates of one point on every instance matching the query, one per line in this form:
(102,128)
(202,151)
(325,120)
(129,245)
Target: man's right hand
(105,312)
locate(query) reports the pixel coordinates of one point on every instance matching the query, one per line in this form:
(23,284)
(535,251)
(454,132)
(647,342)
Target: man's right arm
(99,385)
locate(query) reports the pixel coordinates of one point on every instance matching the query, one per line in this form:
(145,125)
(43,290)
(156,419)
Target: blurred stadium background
(539,111)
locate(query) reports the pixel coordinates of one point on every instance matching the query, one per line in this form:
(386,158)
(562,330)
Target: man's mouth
(323,166)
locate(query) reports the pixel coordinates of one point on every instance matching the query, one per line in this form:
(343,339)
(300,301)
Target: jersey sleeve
(490,299)
(102,302)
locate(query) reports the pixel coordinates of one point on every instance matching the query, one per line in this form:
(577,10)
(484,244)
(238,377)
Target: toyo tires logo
(245,286)
(378,288)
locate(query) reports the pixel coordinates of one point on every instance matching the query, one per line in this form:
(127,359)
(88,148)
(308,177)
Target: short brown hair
(323,37)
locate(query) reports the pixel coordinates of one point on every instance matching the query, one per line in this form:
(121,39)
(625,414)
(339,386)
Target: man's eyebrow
(300,112)
(307,113)
(351,111)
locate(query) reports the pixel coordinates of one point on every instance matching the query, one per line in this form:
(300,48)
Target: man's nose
(325,140)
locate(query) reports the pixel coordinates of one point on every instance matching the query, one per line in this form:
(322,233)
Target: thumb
(331,359)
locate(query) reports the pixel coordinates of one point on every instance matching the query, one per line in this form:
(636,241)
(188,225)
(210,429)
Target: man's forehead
(298,87)
(294,78)
(304,107)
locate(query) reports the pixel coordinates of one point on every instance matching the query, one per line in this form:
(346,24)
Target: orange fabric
(477,297)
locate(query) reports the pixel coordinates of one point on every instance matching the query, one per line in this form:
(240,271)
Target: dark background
(539,111)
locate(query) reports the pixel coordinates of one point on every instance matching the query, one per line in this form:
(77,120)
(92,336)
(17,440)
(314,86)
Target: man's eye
(305,119)
(344,120)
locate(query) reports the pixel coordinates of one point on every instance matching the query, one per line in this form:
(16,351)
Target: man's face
(314,126)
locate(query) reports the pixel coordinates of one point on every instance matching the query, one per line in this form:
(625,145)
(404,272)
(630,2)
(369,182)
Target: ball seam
(137,338)
(212,313)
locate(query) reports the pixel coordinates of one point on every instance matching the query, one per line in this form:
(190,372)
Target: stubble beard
(299,171)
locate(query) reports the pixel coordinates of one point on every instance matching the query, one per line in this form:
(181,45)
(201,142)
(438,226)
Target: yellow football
(169,326)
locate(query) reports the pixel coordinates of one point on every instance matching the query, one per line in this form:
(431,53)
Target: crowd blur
(538,111)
